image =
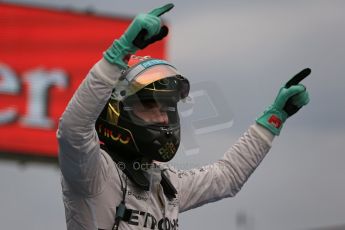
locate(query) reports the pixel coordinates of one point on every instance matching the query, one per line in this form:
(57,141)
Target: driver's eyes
(162,107)
(150,105)
(167,109)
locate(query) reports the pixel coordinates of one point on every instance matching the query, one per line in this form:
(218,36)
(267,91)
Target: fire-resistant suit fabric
(91,182)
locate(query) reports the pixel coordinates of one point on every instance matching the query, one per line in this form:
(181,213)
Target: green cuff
(273,120)
(116,54)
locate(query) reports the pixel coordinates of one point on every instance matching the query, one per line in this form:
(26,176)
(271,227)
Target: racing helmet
(147,82)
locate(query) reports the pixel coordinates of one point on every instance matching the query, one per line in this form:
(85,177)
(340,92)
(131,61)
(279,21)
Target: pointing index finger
(298,78)
(161,10)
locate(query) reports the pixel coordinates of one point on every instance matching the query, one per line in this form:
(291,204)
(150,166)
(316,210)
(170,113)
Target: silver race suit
(91,181)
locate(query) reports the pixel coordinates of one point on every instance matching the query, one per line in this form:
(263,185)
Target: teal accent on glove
(150,23)
(288,101)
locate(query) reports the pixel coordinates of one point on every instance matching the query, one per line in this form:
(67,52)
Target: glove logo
(275,121)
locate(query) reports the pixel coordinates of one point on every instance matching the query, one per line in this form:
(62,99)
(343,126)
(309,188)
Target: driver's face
(151,112)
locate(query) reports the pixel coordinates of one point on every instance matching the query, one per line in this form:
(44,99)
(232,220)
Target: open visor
(156,103)
(155,75)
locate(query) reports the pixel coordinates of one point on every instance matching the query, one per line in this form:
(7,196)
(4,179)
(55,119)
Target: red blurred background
(44,55)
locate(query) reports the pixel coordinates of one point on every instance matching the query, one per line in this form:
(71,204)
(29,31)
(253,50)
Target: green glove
(144,30)
(291,97)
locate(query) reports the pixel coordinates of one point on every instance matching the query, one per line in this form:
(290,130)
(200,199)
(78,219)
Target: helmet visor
(156,76)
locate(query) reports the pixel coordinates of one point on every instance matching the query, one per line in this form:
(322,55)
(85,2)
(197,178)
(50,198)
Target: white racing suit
(91,183)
